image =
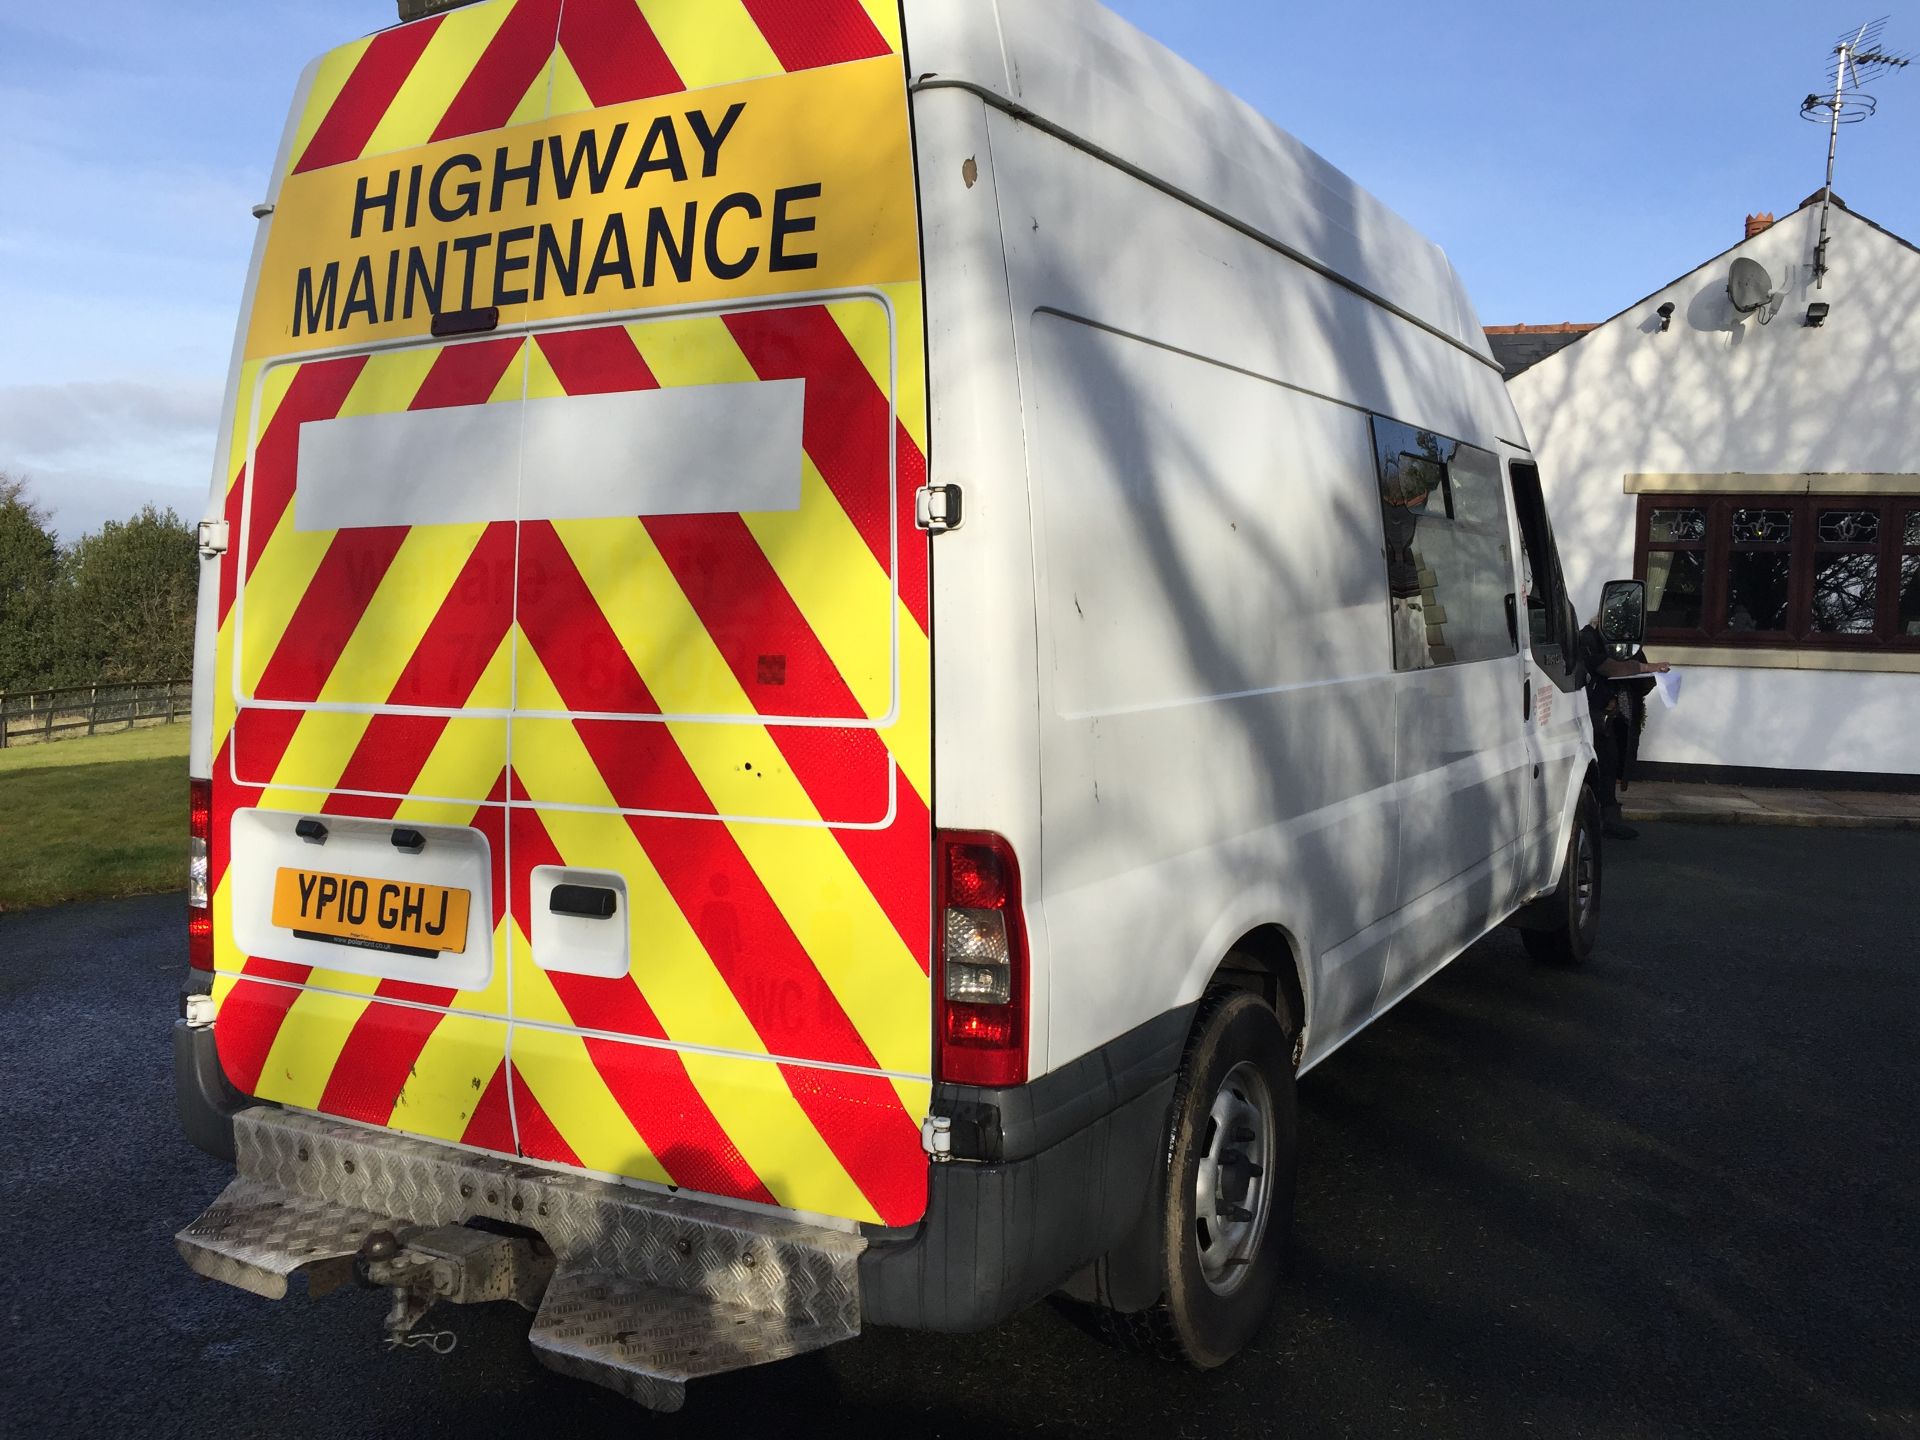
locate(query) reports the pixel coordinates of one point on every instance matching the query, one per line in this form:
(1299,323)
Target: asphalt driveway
(1669,1194)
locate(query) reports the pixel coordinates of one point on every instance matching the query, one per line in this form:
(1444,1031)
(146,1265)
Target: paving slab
(1763,805)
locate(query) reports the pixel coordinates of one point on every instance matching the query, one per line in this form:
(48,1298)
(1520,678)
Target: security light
(1816,314)
(1665,312)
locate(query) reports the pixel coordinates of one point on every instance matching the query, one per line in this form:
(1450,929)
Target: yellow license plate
(371,914)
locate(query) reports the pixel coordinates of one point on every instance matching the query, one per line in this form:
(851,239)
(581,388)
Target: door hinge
(213,538)
(937,508)
(936,1138)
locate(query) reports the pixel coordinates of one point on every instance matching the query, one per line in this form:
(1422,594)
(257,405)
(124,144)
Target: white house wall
(1719,394)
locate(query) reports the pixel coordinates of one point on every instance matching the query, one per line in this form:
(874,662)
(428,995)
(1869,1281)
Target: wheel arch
(1267,961)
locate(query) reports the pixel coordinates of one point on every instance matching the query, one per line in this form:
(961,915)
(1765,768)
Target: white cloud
(99,450)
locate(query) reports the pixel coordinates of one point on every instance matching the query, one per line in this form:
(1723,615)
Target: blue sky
(1570,158)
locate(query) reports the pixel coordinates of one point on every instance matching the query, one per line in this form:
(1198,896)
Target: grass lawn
(93,818)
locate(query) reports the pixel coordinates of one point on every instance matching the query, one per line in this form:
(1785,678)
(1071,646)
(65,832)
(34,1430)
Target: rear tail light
(982,977)
(199,865)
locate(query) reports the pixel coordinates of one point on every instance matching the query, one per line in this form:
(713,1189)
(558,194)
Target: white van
(836,639)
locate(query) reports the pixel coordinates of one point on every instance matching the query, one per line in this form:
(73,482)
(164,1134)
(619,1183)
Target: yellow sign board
(795,183)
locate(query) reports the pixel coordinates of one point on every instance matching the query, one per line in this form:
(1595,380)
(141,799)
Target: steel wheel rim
(1234,1175)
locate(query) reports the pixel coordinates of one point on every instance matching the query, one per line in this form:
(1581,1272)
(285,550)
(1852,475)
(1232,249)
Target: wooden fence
(29,717)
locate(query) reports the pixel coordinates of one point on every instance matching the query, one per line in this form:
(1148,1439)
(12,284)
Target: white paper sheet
(1669,687)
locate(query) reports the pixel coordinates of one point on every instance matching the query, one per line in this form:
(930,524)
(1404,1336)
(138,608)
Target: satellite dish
(1749,286)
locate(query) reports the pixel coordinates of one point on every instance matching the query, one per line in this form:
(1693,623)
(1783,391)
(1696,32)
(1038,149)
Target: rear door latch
(937,508)
(213,538)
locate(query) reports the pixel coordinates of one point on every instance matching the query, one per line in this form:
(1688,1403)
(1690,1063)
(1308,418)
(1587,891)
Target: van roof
(1079,68)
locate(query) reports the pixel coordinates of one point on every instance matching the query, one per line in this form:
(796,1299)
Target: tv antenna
(1858,57)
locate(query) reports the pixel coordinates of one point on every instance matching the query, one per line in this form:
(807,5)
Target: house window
(1821,571)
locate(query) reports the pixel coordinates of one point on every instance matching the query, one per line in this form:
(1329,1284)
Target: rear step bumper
(648,1291)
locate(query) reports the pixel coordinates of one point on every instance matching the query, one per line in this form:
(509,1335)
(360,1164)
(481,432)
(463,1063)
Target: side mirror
(1623,613)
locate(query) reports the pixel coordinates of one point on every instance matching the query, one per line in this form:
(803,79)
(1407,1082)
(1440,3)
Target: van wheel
(1228,1217)
(1571,937)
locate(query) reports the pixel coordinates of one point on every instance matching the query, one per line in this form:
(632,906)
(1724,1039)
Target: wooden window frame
(1717,549)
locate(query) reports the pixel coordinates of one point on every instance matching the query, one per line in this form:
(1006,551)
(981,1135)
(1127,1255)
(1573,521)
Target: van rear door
(607,620)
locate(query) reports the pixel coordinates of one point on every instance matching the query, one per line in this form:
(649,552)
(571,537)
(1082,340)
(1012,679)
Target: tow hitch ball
(453,1263)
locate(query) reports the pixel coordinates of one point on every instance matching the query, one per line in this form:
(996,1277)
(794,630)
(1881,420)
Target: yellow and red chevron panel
(731,710)
(489,66)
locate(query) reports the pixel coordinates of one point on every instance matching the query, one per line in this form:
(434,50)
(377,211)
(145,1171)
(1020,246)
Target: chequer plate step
(257,1234)
(647,1343)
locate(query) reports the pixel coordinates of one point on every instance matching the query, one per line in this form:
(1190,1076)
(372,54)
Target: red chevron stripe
(454,653)
(576,644)
(615,52)
(653,1088)
(877,1142)
(491,1125)
(328,614)
(895,864)
(601,361)
(538,1137)
(369,1079)
(260,739)
(250,1017)
(807,34)
(357,560)
(754,622)
(513,60)
(749,614)
(356,114)
(789,1003)
(846,430)
(317,392)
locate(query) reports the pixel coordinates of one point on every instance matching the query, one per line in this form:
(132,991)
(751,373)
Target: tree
(29,575)
(127,602)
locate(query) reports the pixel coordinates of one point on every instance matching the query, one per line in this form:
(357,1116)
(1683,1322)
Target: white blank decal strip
(691,450)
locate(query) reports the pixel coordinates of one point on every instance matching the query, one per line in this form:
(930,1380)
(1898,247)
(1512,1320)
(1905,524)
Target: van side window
(1550,618)
(1449,569)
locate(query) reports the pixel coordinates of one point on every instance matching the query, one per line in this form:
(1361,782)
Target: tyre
(1228,1213)
(1575,919)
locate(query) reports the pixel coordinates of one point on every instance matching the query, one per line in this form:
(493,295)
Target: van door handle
(1513,619)
(590,902)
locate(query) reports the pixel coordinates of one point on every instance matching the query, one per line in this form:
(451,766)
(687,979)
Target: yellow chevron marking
(843,595)
(653,619)
(815,550)
(449,1077)
(331,74)
(556,1068)
(307,1047)
(443,67)
(513,381)
(865,326)
(405,603)
(569,93)
(820,558)
(915,1096)
(838,921)
(693,1003)
(680,984)
(910,740)
(775,1137)
(273,593)
(279,381)
(886,19)
(845,933)
(533,104)
(323,742)
(712,43)
(389,380)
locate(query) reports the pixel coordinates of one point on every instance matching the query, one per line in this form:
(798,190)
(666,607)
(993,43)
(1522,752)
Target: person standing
(1605,672)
